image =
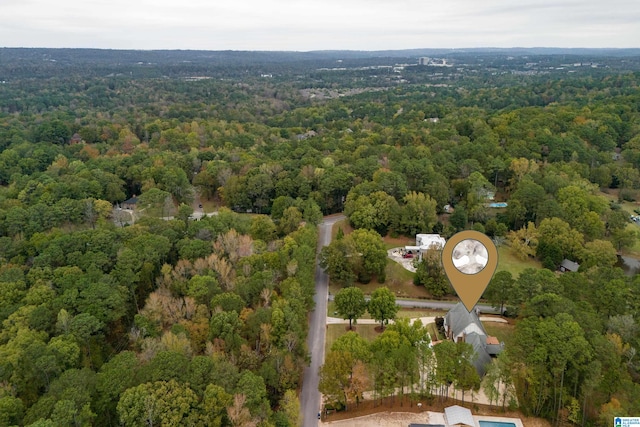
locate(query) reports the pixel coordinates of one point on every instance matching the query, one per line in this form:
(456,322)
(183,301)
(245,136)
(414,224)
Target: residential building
(462,326)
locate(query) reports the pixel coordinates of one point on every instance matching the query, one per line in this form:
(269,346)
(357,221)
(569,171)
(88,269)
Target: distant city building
(433,62)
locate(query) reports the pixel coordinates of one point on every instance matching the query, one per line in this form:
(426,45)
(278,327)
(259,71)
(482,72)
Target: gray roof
(131,201)
(458,318)
(462,322)
(494,349)
(570,265)
(457,415)
(482,358)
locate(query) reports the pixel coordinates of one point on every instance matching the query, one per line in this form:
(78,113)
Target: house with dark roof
(75,139)
(130,203)
(568,265)
(462,326)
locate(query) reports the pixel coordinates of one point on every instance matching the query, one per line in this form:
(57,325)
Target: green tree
(599,253)
(335,377)
(290,406)
(253,386)
(214,405)
(159,403)
(382,305)
(350,303)
(370,254)
(338,259)
(353,343)
(446,360)
(112,381)
(262,228)
(290,221)
(430,273)
(557,235)
(184,213)
(417,215)
(375,211)
(466,376)
(11,411)
(524,241)
(226,326)
(459,218)
(500,290)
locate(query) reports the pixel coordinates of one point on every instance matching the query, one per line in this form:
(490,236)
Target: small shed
(568,265)
(130,203)
(75,139)
(459,416)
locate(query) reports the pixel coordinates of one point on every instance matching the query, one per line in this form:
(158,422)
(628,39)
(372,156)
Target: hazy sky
(318,24)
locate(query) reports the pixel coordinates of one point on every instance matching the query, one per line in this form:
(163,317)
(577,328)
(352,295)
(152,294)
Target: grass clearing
(509,262)
(413,313)
(399,281)
(368,332)
(398,242)
(502,331)
(344,224)
(633,251)
(433,331)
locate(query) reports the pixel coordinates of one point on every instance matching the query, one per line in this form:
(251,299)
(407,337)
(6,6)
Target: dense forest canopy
(207,318)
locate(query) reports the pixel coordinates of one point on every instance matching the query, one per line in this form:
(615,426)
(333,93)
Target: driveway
(310,398)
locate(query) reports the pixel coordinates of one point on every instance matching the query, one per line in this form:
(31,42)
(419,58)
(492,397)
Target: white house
(427,241)
(424,242)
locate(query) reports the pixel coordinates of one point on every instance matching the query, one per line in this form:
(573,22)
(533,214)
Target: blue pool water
(498,205)
(495,424)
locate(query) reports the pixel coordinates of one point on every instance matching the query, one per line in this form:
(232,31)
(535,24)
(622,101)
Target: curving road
(310,396)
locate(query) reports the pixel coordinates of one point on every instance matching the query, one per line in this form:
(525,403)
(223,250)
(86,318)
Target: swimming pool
(498,205)
(495,424)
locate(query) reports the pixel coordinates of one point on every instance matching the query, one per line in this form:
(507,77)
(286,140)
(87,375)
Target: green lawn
(412,313)
(409,313)
(334,332)
(433,331)
(511,263)
(369,333)
(398,242)
(344,224)
(626,206)
(502,331)
(634,251)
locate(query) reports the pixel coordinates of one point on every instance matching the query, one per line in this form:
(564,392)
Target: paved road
(435,305)
(424,320)
(310,396)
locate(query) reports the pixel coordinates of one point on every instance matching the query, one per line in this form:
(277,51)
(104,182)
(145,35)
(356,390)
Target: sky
(305,25)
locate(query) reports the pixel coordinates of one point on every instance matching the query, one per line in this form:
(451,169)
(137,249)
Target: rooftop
(457,415)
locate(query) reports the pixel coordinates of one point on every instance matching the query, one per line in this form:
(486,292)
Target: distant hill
(16,63)
(229,57)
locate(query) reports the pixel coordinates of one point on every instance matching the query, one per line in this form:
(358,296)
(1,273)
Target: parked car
(407,255)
